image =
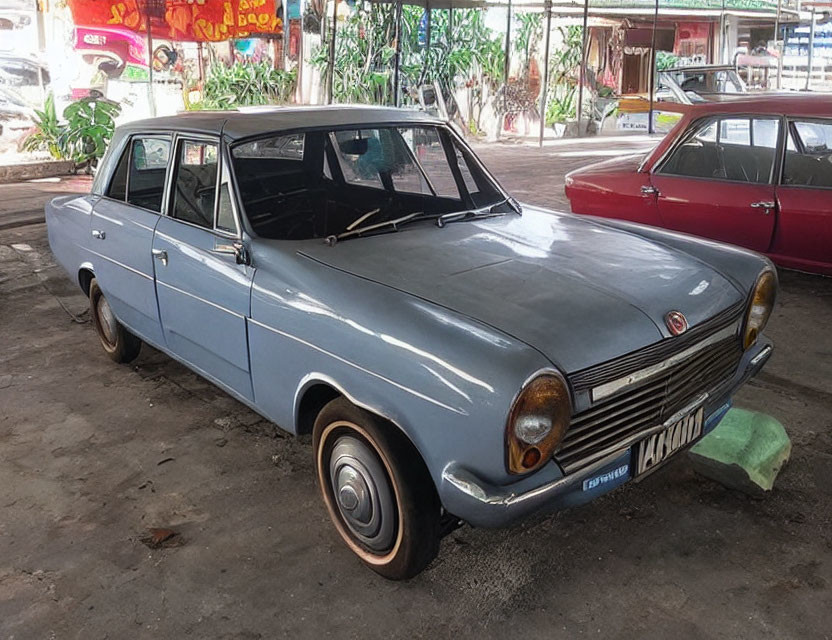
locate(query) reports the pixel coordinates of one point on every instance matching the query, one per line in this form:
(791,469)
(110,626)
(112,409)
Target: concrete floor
(92,454)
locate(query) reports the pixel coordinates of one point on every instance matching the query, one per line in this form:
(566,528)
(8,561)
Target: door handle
(98,235)
(648,190)
(160,254)
(765,205)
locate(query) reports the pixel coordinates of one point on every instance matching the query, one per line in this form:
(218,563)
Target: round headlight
(537,423)
(759,307)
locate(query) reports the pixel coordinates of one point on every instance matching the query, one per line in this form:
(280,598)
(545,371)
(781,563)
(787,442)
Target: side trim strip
(120,264)
(196,297)
(359,367)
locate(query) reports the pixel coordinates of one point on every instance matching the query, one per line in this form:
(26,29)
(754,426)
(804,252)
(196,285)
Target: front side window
(195,183)
(809,154)
(323,183)
(734,148)
(148,167)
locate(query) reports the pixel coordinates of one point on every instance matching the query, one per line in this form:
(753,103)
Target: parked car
(753,172)
(706,83)
(677,88)
(357,274)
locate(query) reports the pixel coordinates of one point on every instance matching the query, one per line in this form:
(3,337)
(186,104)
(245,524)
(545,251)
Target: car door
(804,195)
(203,283)
(718,182)
(122,225)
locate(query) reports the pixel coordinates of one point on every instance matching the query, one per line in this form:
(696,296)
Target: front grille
(614,369)
(612,422)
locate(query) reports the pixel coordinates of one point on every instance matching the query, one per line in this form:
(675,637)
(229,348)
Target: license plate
(660,446)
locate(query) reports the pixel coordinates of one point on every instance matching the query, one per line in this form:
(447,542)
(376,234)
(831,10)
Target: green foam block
(745,451)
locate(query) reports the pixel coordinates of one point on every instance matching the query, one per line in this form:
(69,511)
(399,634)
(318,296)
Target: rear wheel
(377,490)
(121,345)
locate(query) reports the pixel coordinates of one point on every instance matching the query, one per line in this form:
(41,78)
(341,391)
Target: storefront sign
(183,20)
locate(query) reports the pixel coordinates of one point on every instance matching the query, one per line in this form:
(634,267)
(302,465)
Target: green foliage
(665,60)
(564,68)
(246,84)
(468,53)
(84,136)
(48,131)
(527,37)
(89,128)
(364,53)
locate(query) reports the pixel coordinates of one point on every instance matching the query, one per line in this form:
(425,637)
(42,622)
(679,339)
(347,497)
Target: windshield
(318,184)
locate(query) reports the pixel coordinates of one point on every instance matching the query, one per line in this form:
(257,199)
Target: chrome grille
(618,420)
(614,369)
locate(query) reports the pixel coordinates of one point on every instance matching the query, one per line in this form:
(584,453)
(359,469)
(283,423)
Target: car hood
(576,290)
(622,164)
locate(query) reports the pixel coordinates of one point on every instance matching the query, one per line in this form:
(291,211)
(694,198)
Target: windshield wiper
(471,214)
(393,224)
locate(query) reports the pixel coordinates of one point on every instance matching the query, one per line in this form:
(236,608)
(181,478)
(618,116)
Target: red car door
(804,229)
(718,182)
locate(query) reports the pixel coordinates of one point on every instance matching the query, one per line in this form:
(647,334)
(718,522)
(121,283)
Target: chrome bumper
(481,504)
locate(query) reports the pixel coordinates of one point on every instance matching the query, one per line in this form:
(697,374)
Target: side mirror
(241,254)
(237,249)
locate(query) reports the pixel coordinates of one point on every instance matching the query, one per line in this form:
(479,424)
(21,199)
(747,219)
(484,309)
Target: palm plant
(83,138)
(89,129)
(48,131)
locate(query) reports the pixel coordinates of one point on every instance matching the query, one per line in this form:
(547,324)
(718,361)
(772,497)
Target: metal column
(544,87)
(652,87)
(507,62)
(331,71)
(582,74)
(427,43)
(396,99)
(811,50)
(777,44)
(150,95)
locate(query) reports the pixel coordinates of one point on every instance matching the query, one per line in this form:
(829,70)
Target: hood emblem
(676,322)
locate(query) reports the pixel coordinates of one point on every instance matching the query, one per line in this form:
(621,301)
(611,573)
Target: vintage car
(358,275)
(756,172)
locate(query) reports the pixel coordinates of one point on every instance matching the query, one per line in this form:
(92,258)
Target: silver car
(358,275)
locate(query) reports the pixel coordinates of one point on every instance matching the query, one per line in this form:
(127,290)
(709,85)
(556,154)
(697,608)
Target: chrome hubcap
(107,320)
(362,492)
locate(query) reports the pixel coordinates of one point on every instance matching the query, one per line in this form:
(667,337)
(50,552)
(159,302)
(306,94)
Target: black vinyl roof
(259,120)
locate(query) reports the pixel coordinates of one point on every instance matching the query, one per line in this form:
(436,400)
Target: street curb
(33,170)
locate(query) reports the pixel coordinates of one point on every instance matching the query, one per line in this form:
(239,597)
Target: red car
(756,172)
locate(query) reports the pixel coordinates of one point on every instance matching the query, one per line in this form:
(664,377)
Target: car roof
(790,104)
(707,67)
(247,122)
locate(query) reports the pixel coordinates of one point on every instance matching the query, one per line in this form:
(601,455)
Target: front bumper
(484,505)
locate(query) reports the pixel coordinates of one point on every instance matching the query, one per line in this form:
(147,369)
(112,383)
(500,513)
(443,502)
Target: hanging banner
(182,20)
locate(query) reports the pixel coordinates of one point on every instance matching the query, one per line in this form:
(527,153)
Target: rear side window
(195,183)
(148,167)
(737,148)
(809,154)
(118,183)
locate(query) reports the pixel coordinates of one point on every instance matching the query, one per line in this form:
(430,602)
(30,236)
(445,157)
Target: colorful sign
(182,20)
(122,44)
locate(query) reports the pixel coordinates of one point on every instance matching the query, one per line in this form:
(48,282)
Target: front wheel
(121,345)
(377,490)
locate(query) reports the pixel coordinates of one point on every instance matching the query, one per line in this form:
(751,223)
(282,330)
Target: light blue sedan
(357,274)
